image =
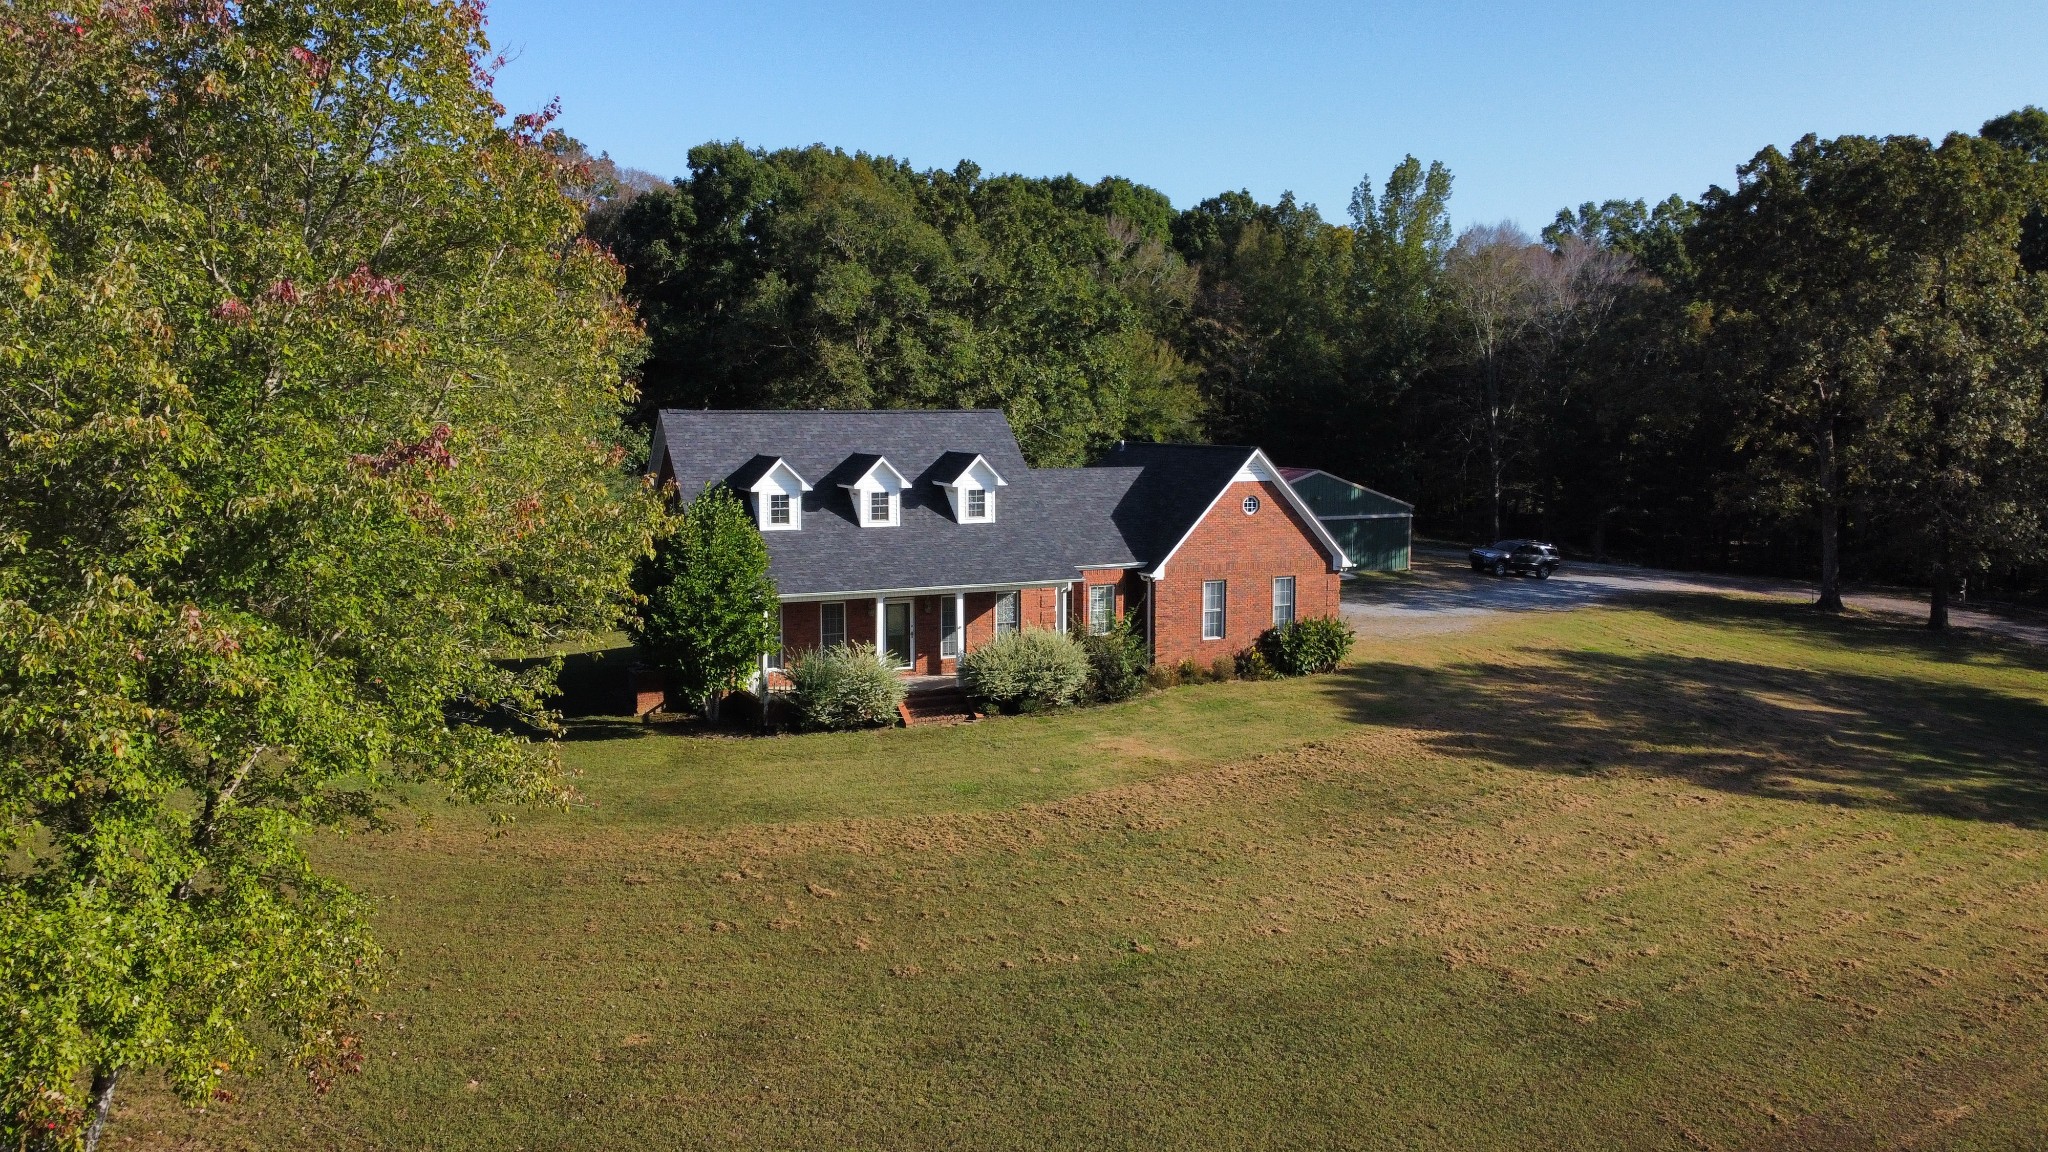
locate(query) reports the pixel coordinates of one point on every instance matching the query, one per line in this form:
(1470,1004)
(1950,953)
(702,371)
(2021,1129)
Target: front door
(898,632)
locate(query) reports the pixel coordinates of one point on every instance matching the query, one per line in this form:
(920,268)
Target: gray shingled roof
(1177,484)
(1130,509)
(1029,541)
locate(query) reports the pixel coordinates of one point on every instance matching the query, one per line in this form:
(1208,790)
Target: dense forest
(1837,361)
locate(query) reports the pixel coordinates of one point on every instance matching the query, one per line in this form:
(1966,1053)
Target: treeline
(1836,364)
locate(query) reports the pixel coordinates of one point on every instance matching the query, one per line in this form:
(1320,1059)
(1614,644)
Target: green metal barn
(1374,529)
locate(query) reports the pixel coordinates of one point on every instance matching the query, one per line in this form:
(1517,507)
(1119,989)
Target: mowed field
(1689,872)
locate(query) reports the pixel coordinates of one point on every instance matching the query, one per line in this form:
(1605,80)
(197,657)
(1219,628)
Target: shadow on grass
(576,731)
(1898,742)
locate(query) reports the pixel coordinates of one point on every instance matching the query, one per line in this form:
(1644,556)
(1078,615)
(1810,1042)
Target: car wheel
(1543,573)
(1500,567)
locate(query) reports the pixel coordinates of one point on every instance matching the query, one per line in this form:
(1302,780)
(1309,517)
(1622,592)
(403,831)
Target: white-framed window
(1007,606)
(879,503)
(1101,608)
(1215,596)
(831,625)
(1250,505)
(1283,600)
(949,626)
(977,503)
(778,498)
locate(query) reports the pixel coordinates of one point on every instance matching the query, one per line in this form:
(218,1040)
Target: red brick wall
(1248,552)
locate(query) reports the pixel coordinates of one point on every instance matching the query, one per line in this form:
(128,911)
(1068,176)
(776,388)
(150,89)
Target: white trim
(910,632)
(1109,567)
(921,590)
(779,479)
(1088,621)
(867,483)
(1369,515)
(1222,610)
(957,488)
(957,605)
(1294,499)
(822,605)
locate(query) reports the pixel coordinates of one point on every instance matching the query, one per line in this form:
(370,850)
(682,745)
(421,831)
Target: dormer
(970,483)
(776,492)
(876,490)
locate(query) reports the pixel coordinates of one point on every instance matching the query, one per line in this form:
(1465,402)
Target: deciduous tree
(311,413)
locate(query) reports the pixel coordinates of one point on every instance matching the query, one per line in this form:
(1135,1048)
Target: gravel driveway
(1442,594)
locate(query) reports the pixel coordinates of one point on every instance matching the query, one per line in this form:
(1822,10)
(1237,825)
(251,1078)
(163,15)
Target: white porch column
(959,625)
(881,631)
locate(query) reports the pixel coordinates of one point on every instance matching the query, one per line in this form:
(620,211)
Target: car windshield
(1506,545)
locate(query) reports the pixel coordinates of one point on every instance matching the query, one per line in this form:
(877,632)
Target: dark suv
(1504,556)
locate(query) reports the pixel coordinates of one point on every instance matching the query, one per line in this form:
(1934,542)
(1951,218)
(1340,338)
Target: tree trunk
(1600,537)
(103,1081)
(1830,525)
(1937,599)
(1493,464)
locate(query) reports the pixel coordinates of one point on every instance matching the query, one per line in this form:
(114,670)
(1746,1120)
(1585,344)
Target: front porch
(920,633)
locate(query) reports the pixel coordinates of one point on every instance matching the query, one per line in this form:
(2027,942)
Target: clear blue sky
(1533,106)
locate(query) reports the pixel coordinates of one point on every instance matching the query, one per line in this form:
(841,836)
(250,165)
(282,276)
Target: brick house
(926,534)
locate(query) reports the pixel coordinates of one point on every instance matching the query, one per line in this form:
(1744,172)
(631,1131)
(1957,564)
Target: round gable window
(1251,505)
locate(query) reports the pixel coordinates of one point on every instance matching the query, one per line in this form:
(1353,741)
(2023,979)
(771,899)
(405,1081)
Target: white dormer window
(970,483)
(877,493)
(778,494)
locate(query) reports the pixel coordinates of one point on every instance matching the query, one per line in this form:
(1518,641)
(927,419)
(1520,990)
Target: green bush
(1116,663)
(844,686)
(1189,672)
(1253,665)
(1026,671)
(1317,644)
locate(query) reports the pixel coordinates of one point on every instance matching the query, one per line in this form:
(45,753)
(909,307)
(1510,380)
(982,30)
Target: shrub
(1116,663)
(1190,672)
(844,686)
(1317,644)
(1253,665)
(1026,671)
(1223,668)
(1161,676)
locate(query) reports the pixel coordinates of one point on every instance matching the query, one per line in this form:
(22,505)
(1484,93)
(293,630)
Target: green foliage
(812,278)
(1307,646)
(1251,664)
(1026,671)
(1881,334)
(1116,663)
(314,415)
(844,686)
(709,612)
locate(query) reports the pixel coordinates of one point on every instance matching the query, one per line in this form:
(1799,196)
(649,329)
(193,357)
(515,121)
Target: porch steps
(935,706)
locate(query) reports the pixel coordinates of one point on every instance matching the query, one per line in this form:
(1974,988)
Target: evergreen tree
(710,606)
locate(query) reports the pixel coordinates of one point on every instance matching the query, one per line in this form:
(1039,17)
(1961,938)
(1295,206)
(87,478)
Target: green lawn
(1692,873)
